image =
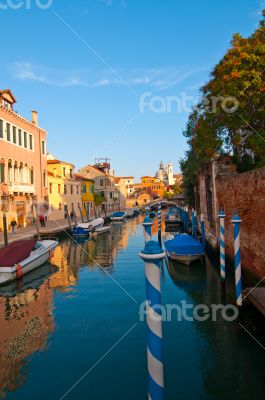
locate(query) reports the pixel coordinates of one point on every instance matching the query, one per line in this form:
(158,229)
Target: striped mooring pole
(159,222)
(203,231)
(152,255)
(236,221)
(222,216)
(147,228)
(195,225)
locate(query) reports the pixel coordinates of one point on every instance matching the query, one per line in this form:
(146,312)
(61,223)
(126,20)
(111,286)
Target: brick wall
(246,193)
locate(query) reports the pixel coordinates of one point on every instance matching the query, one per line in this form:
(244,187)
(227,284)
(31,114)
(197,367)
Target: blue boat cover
(118,214)
(184,245)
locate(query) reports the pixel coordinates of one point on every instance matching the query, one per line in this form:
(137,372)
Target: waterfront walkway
(52,227)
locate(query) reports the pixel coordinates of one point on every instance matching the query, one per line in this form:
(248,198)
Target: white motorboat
(130,212)
(22,257)
(118,216)
(100,230)
(84,228)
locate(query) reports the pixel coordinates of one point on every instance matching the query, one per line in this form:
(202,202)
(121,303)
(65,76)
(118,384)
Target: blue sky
(86,65)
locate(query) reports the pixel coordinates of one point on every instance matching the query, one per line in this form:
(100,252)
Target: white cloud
(159,79)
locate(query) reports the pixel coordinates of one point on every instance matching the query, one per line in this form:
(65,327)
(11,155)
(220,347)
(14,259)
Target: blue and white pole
(159,222)
(238,281)
(152,256)
(147,228)
(203,231)
(195,225)
(146,211)
(222,216)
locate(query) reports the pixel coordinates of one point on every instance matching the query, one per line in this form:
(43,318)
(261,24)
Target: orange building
(153,185)
(23,164)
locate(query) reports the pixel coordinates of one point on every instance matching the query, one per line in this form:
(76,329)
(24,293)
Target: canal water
(74,332)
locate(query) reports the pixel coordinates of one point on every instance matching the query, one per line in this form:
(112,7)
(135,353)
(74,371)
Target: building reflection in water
(26,323)
(26,309)
(94,253)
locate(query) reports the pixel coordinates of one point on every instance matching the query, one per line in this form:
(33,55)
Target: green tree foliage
(230,115)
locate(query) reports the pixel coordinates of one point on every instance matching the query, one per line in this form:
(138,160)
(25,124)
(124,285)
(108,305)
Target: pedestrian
(42,220)
(13,225)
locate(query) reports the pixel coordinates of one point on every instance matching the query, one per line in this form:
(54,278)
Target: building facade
(87,196)
(64,189)
(104,184)
(23,163)
(153,185)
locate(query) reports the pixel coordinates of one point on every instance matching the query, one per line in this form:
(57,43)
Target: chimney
(34,117)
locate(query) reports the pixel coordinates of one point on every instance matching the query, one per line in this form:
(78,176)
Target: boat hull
(40,256)
(184,259)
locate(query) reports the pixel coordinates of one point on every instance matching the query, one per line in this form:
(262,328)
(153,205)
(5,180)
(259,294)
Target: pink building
(23,164)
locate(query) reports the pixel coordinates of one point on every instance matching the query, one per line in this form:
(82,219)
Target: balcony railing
(21,187)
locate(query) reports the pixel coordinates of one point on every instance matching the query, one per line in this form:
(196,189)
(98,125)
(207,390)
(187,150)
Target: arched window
(20,173)
(15,171)
(10,171)
(32,175)
(26,174)
(2,170)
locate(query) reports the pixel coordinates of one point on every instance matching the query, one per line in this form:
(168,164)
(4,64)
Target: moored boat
(22,257)
(118,216)
(130,212)
(172,218)
(100,230)
(184,249)
(83,229)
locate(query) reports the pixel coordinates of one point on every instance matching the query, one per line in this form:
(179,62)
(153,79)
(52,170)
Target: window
(31,142)
(50,187)
(19,137)
(32,176)
(25,140)
(64,171)
(44,179)
(77,189)
(71,189)
(71,173)
(60,206)
(84,188)
(111,195)
(43,147)
(59,188)
(1,128)
(14,134)
(101,182)
(8,132)
(2,171)
(65,189)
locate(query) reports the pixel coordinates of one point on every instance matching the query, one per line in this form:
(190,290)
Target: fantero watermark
(189,312)
(185,103)
(25,4)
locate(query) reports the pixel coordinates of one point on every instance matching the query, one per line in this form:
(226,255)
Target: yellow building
(87,194)
(64,192)
(153,185)
(56,200)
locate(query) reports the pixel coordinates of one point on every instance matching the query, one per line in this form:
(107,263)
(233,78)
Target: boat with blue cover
(172,218)
(184,249)
(118,216)
(83,229)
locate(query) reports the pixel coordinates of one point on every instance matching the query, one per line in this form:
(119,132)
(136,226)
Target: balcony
(21,188)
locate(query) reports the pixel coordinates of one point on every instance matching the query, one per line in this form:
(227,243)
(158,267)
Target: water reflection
(26,323)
